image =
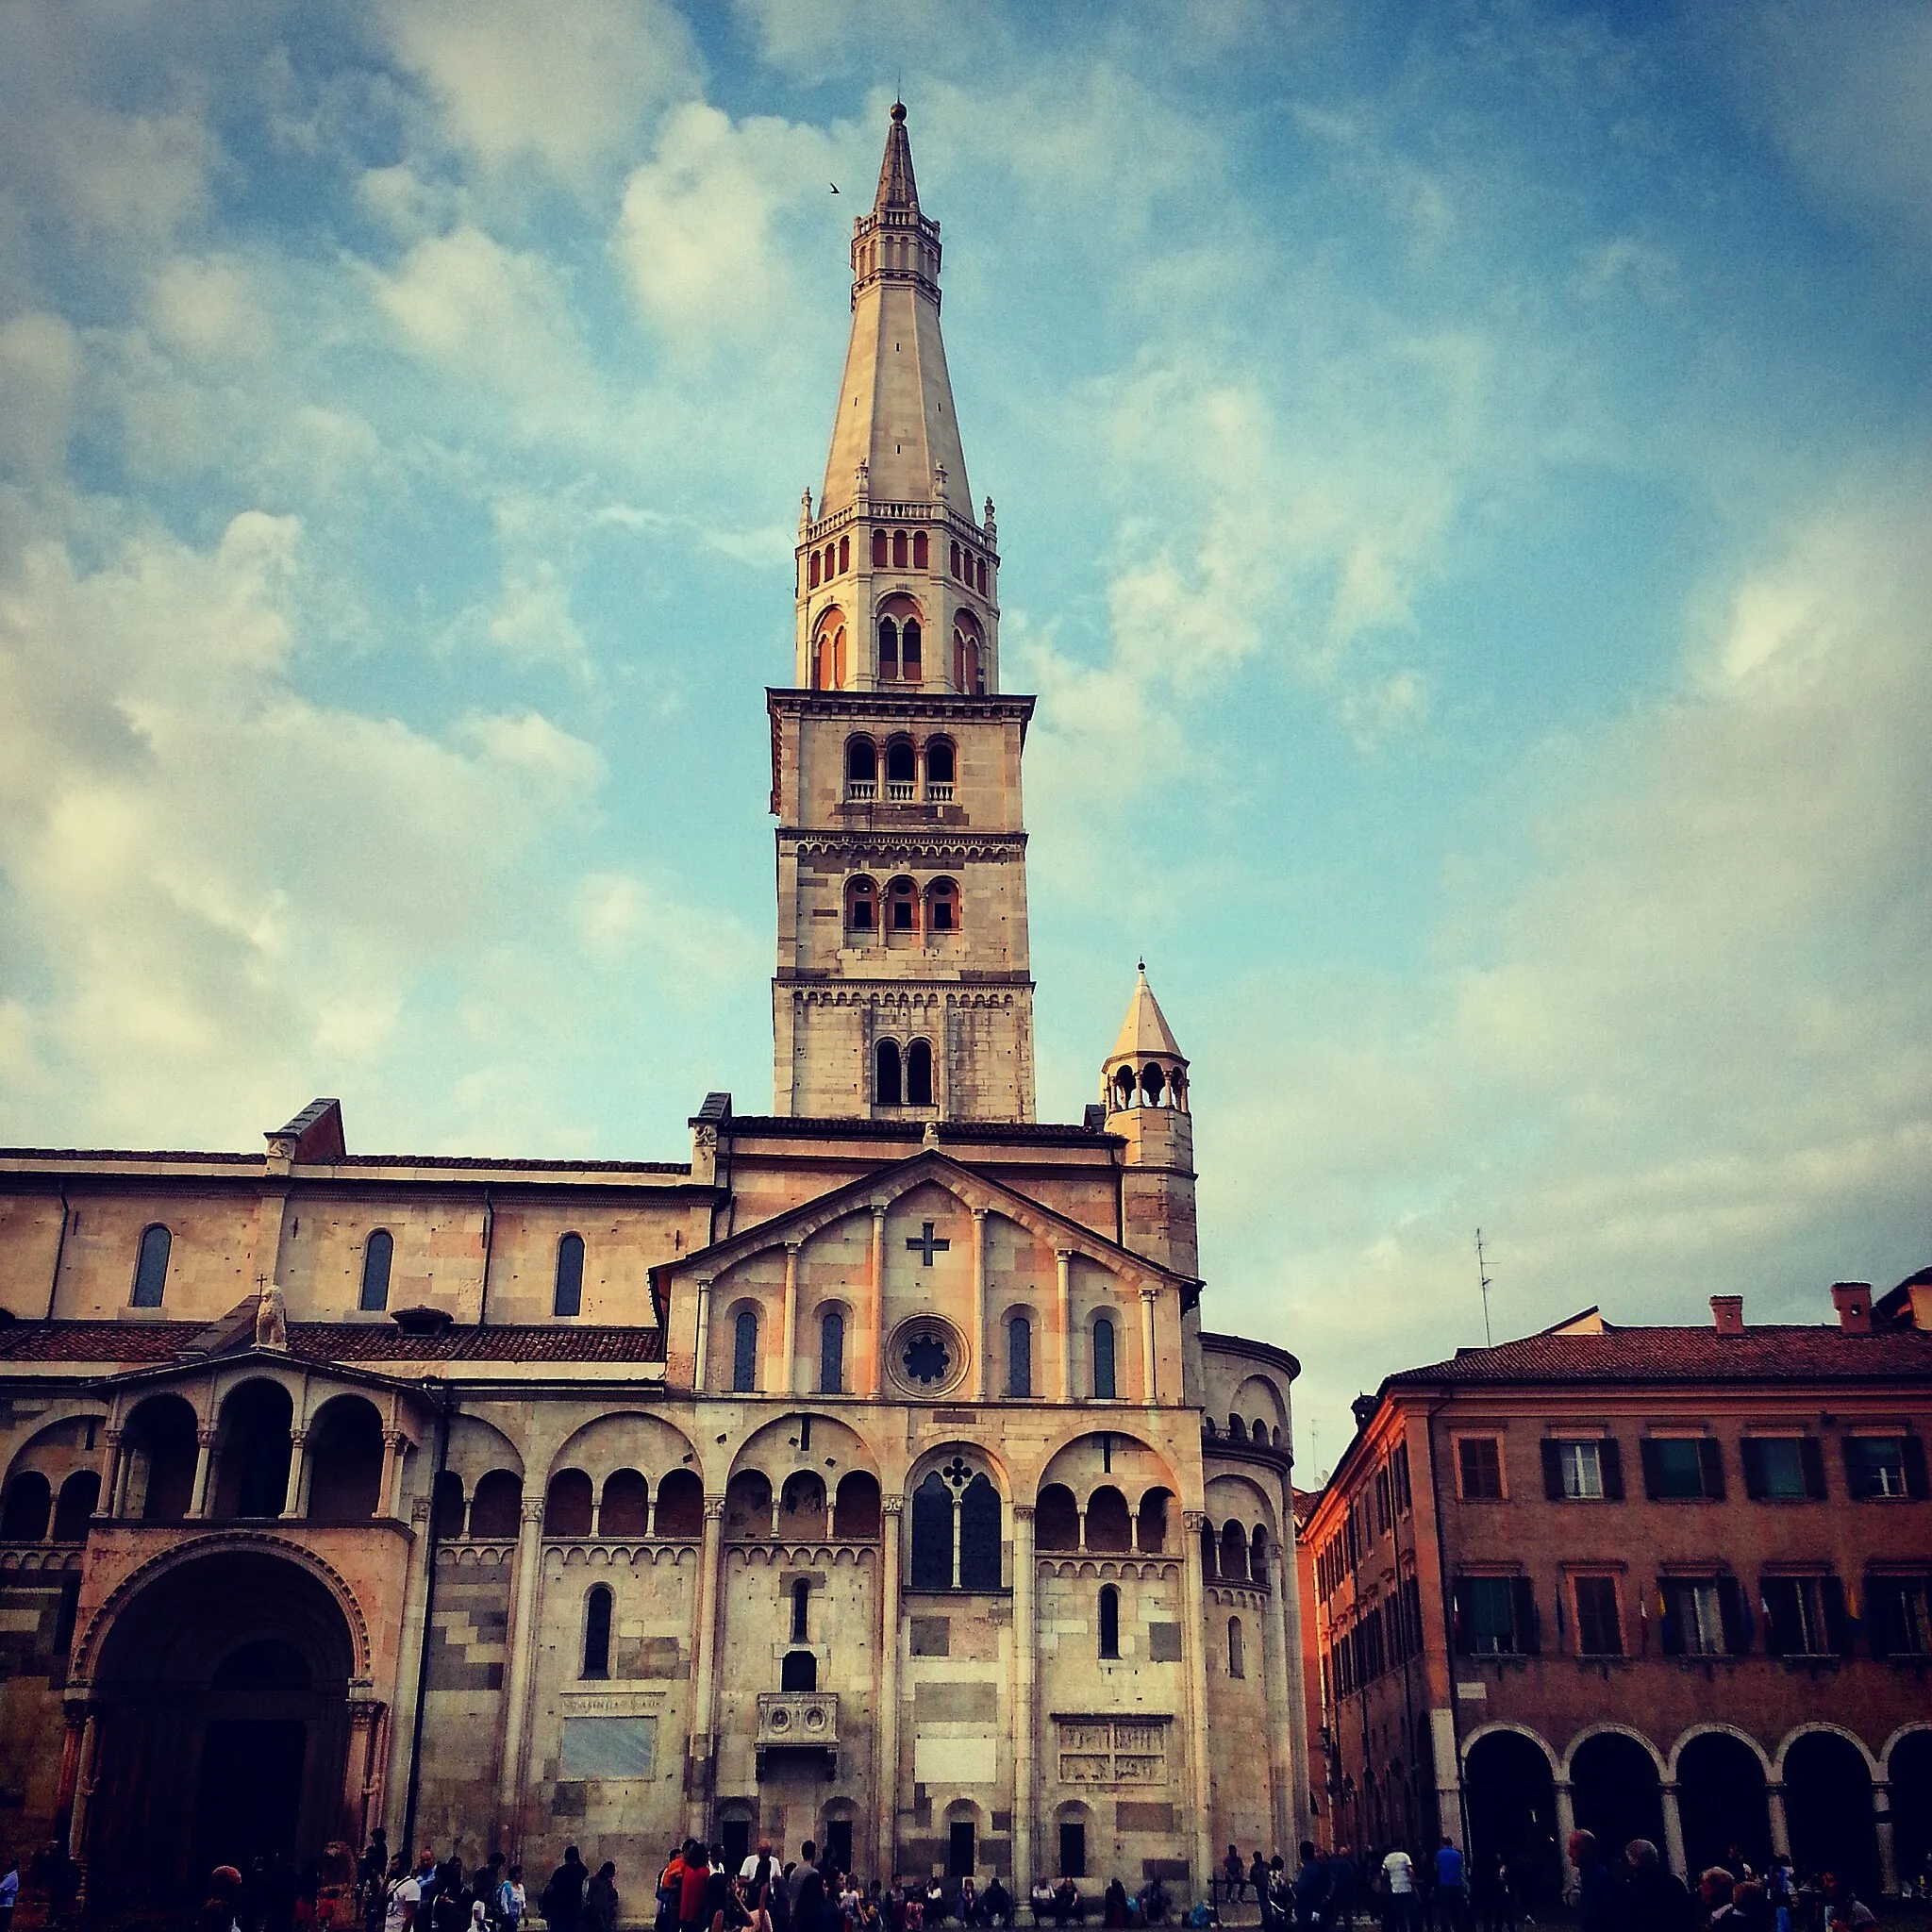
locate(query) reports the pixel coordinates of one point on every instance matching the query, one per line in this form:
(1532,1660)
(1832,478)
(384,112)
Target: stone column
(1673,1828)
(1027,1668)
(1780,1825)
(393,1443)
(1150,1392)
(298,1470)
(703,1748)
(84,1783)
(520,1641)
(981,1376)
(1887,1850)
(787,1382)
(356,1779)
(886,1859)
(875,1289)
(113,1474)
(1063,1258)
(1566,1823)
(1194,1637)
(408,1664)
(1448,1772)
(1274,1679)
(75,1717)
(701,1347)
(203,1470)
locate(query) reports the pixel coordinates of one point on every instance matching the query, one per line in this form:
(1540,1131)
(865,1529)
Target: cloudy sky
(1463,479)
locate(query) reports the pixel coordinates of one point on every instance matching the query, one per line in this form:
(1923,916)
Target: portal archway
(222,1696)
(1512,1805)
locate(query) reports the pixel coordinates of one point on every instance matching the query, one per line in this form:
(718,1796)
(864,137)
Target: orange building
(1663,1583)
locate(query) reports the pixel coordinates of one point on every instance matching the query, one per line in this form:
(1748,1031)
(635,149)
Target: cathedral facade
(868,1476)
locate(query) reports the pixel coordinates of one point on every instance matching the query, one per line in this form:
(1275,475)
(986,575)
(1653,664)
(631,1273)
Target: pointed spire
(897,188)
(1146,1029)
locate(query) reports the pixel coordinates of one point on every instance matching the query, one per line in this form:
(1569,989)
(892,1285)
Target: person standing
(562,1902)
(402,1897)
(510,1902)
(1341,1889)
(1398,1891)
(9,1893)
(1310,1887)
(600,1900)
(1452,1887)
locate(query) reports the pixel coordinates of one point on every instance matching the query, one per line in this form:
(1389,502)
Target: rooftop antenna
(1482,1281)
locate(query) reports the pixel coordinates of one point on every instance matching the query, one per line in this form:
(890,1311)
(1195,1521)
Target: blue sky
(1462,493)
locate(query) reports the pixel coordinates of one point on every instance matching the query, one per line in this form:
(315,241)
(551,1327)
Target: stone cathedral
(868,1476)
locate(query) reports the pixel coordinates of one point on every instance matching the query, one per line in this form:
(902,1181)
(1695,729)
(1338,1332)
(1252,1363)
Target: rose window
(926,1361)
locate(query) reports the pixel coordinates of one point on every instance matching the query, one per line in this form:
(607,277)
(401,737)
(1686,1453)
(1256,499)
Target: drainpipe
(488,1238)
(60,1251)
(1448,1620)
(442,1413)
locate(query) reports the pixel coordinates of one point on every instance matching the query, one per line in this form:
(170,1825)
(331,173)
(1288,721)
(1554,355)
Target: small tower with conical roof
(1145,1087)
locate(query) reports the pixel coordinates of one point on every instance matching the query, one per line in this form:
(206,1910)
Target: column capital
(704,1284)
(298,1437)
(979,1213)
(1150,1294)
(1064,1254)
(532,1509)
(878,1210)
(397,1439)
(1022,1512)
(893,1506)
(714,1509)
(792,1249)
(1194,1521)
(112,1435)
(205,1435)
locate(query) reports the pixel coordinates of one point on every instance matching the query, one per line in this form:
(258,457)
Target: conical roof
(897,188)
(1146,1029)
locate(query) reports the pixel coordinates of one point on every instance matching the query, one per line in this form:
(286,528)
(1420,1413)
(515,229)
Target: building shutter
(1553,1471)
(1914,1449)
(1612,1451)
(1652,1473)
(1529,1638)
(1781,1629)
(1463,1617)
(1672,1635)
(1711,1453)
(1858,1475)
(1880,1596)
(1735,1615)
(1750,1454)
(1838,1621)
(1811,1454)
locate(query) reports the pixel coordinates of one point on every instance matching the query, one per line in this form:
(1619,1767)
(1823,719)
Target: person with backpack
(511,1905)
(561,1902)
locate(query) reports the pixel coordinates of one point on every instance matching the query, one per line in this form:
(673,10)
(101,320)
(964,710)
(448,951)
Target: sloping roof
(148,1343)
(897,188)
(1146,1029)
(1770,1351)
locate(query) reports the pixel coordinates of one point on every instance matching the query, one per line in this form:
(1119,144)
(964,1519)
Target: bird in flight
(835,188)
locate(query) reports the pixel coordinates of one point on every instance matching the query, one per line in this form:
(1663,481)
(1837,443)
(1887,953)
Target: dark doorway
(249,1799)
(1828,1805)
(960,1850)
(1072,1851)
(1722,1799)
(799,1671)
(1617,1794)
(1910,1765)
(839,1842)
(734,1834)
(1512,1808)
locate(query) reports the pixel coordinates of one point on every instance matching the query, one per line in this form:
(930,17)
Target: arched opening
(223,1692)
(345,1462)
(1153,1084)
(81,1495)
(1237,1428)
(1829,1808)
(1110,1621)
(625,1508)
(932,1533)
(567,1504)
(918,1073)
(832,1353)
(597,1632)
(28,1508)
(161,1443)
(889,650)
(1104,1386)
(861,908)
(252,1450)
(1616,1793)
(898,549)
(811,572)
(1124,1090)
(1234,1553)
(744,1352)
(1237,1649)
(680,1506)
(888,1088)
(1257,1558)
(1722,1801)
(954,559)
(378,1251)
(844,555)
(1056,1519)
(151,1267)
(1512,1807)
(748,1507)
(942,907)
(496,1510)
(938,769)
(879,550)
(902,907)
(1910,1769)
(1151,1533)
(902,767)
(861,767)
(1020,1357)
(828,652)
(801,1611)
(921,552)
(979,1535)
(1109,1526)
(802,1514)
(446,1506)
(855,1508)
(911,668)
(568,1298)
(799,1671)
(1211,1567)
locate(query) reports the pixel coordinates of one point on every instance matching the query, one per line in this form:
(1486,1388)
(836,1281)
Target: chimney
(1921,1295)
(1363,1406)
(1853,1301)
(1728,1311)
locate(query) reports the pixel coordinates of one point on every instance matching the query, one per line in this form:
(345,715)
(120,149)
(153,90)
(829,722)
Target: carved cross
(925,1246)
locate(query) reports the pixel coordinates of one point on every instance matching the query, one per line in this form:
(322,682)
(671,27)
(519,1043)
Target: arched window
(879,550)
(623,1511)
(151,1270)
(1237,1429)
(29,1503)
(1110,1621)
(1237,1660)
(1209,1568)
(956,559)
(569,1298)
(1110,1527)
(832,1353)
(902,907)
(909,652)
(744,1354)
(597,1632)
(920,553)
(1234,1553)
(496,1510)
(942,907)
(932,1533)
(799,1671)
(566,1503)
(855,1508)
(1020,1356)
(80,1494)
(1257,1556)
(898,549)
(902,764)
(801,1614)
(939,767)
(979,1535)
(811,572)
(889,650)
(1104,1389)
(828,652)
(1056,1519)
(844,555)
(861,906)
(885,1087)
(861,767)
(919,1074)
(828,563)
(982,575)
(1151,1536)
(1124,1089)
(378,1252)
(680,1505)
(1153,1084)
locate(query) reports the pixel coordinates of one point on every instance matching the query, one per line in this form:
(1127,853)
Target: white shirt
(1399,1871)
(406,1893)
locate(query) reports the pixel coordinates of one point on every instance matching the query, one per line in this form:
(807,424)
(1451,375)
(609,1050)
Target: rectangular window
(1583,1470)
(1783,1469)
(1883,1467)
(1398,1465)
(1898,1615)
(1495,1616)
(1805,1616)
(1683,1469)
(1479,1460)
(601,1747)
(1599,1629)
(1693,1617)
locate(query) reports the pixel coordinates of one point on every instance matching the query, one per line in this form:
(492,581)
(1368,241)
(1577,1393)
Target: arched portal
(1616,1791)
(223,1701)
(1512,1805)
(1910,1765)
(1828,1806)
(1722,1799)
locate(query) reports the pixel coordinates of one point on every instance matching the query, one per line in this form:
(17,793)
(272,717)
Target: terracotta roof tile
(142,1345)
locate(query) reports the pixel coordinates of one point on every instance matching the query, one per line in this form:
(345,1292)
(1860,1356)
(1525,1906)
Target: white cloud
(40,369)
(208,308)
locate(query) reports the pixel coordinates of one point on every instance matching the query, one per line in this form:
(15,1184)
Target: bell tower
(903,986)
(1144,1086)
